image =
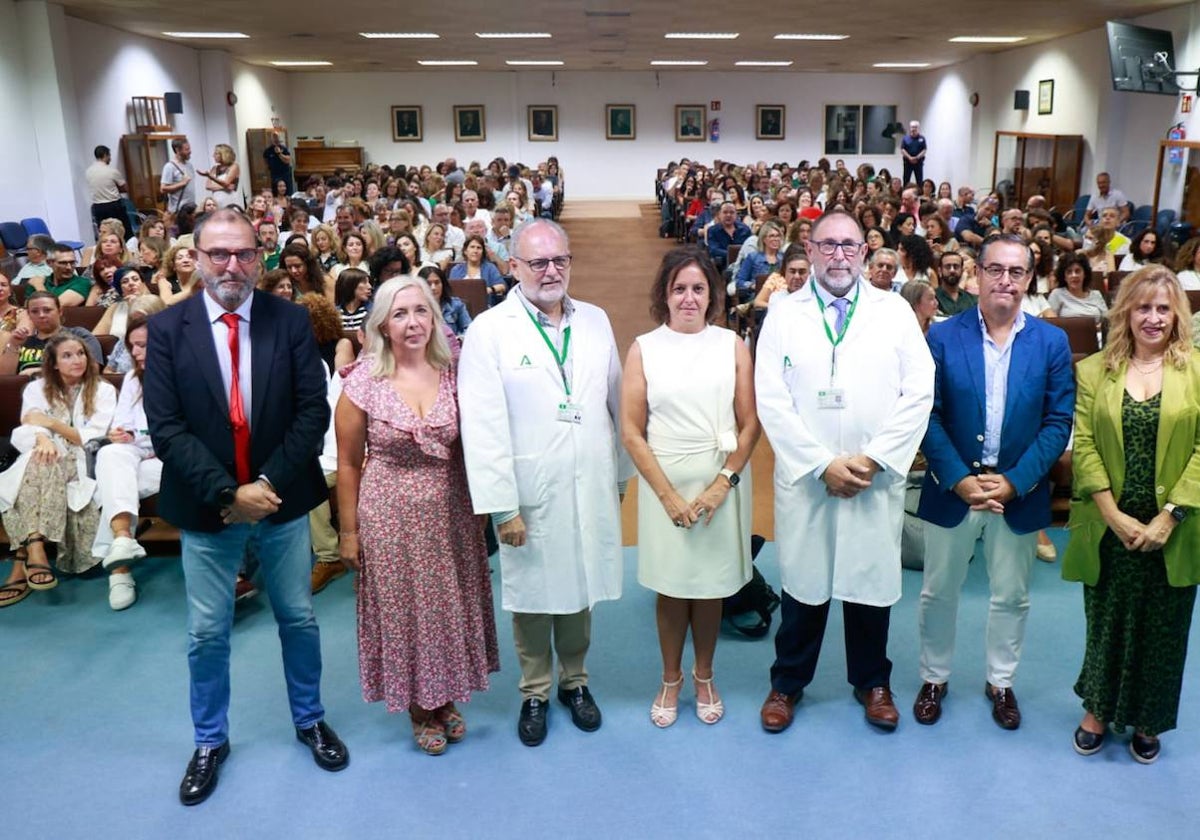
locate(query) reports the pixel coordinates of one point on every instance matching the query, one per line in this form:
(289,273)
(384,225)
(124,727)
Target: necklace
(1145,371)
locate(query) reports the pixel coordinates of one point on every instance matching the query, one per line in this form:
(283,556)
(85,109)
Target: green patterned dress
(1137,624)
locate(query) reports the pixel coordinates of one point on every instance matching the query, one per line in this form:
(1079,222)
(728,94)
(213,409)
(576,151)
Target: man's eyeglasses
(995,271)
(71,263)
(828,247)
(220,256)
(540,265)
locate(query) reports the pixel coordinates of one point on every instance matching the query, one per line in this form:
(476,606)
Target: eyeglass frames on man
(540,265)
(828,247)
(220,256)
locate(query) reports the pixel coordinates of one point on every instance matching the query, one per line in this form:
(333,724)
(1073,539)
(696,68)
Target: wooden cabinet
(257,141)
(144,156)
(1025,165)
(323,160)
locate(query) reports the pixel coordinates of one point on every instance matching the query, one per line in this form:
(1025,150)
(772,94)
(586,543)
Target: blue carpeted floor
(96,735)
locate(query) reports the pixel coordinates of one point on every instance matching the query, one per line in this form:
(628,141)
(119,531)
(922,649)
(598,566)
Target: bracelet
(347,533)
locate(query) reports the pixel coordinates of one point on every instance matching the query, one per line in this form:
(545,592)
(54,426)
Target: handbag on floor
(748,611)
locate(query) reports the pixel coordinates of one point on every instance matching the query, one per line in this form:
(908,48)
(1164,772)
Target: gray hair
(518,235)
(41,242)
(884,252)
(375,344)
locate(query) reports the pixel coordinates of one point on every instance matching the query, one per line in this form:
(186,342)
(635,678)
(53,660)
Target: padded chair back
(1082,334)
(473,294)
(1193,301)
(14,237)
(35,226)
(82,316)
(1162,222)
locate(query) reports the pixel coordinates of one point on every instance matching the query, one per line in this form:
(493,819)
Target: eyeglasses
(65,262)
(995,271)
(828,247)
(220,256)
(540,265)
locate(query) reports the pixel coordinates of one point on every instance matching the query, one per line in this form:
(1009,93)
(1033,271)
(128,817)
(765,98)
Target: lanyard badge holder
(834,397)
(568,410)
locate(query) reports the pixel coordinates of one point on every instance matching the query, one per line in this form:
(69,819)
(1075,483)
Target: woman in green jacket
(1135,515)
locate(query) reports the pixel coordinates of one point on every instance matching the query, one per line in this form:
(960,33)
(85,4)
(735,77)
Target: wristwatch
(226,497)
(733,478)
(1177,513)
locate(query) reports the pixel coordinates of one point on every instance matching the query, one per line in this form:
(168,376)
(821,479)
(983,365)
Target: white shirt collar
(215,310)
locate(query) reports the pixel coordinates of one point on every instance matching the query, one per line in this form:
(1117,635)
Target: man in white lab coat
(539,383)
(844,383)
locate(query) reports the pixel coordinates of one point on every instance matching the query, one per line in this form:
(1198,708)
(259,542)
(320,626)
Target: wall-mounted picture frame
(469,124)
(1046,96)
(542,122)
(769,122)
(878,122)
(620,122)
(841,129)
(691,122)
(407,125)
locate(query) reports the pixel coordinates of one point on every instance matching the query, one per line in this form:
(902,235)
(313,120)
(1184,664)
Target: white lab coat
(828,547)
(81,490)
(562,476)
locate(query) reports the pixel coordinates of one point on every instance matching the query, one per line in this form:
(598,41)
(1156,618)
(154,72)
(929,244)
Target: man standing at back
(539,383)
(178,182)
(912,149)
(105,185)
(844,383)
(236,402)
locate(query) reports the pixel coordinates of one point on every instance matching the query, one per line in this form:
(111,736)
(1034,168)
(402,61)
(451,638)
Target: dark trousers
(109,210)
(798,644)
(915,171)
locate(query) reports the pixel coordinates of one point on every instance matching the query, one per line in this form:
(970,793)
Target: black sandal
(42,569)
(14,592)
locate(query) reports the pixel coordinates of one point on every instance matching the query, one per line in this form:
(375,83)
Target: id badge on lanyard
(568,410)
(833,397)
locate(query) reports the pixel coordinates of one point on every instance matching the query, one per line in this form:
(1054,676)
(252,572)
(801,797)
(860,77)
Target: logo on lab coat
(525,362)
(787,362)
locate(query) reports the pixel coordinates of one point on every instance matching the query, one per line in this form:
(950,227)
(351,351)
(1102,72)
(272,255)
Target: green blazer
(1098,463)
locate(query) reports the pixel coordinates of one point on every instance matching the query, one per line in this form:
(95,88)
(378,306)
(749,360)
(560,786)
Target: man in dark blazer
(236,402)
(1003,402)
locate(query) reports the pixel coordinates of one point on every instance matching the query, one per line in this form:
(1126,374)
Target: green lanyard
(834,342)
(561,361)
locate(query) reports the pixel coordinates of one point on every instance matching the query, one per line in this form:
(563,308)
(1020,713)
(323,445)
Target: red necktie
(237,411)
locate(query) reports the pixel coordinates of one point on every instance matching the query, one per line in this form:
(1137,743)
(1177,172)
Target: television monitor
(1142,58)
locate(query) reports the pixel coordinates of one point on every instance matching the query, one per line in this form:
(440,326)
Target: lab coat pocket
(532,490)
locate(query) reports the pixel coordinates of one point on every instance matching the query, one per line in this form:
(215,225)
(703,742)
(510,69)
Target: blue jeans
(210,567)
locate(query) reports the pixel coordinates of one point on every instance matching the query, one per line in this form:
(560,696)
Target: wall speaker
(174,102)
(1021,100)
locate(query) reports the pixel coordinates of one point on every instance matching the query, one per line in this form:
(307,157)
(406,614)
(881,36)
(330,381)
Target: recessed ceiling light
(412,36)
(206,34)
(512,34)
(701,36)
(302,63)
(531,63)
(678,63)
(987,39)
(762,64)
(900,65)
(807,36)
(447,63)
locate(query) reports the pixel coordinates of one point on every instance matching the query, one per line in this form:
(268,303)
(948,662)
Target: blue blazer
(1038,410)
(187,408)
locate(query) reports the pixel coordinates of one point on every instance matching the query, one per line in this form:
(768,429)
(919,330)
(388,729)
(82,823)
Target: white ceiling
(611,34)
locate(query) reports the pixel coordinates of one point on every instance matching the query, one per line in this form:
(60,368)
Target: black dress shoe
(200,780)
(1087,743)
(1145,748)
(327,748)
(584,712)
(531,726)
(1005,710)
(927,708)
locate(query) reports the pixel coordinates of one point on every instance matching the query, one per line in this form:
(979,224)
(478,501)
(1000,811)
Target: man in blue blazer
(236,402)
(1003,403)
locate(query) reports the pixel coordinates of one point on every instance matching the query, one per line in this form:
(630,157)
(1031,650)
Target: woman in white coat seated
(126,472)
(46,495)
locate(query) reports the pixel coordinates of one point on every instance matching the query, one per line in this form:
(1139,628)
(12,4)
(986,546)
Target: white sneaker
(122,591)
(123,550)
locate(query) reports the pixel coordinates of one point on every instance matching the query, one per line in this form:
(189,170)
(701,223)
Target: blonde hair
(335,242)
(1133,291)
(224,153)
(376,345)
(374,236)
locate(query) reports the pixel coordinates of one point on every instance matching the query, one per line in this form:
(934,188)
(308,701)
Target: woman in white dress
(689,423)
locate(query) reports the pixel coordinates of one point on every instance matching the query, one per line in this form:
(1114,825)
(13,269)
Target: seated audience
(25,344)
(37,252)
(70,288)
(353,253)
(9,311)
(1187,265)
(475,266)
(1145,249)
(454,311)
(337,351)
(46,496)
(1074,295)
(352,293)
(279,283)
(177,280)
(923,300)
(306,272)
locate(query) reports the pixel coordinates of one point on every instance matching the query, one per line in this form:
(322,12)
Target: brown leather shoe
(927,708)
(1004,706)
(881,711)
(778,710)
(324,574)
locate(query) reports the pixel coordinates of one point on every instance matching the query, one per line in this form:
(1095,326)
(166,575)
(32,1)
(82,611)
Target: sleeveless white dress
(691,428)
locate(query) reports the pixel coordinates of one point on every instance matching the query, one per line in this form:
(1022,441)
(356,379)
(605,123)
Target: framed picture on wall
(469,126)
(1046,96)
(620,122)
(841,129)
(543,122)
(407,126)
(768,122)
(690,122)
(877,124)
